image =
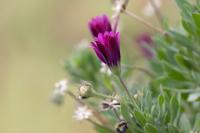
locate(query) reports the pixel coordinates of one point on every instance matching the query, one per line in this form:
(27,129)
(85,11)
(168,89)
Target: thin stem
(95,113)
(117,115)
(127,91)
(100,95)
(141,20)
(92,122)
(116,22)
(157,11)
(150,74)
(75,98)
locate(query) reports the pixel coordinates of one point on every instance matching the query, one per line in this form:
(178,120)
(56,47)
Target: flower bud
(99,24)
(85,90)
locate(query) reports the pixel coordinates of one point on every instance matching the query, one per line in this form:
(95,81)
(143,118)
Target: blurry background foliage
(36,37)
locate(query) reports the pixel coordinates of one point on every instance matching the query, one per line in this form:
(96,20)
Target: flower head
(107,48)
(145,41)
(110,104)
(122,126)
(59,91)
(82,113)
(99,24)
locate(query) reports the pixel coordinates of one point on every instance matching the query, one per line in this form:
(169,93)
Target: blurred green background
(36,36)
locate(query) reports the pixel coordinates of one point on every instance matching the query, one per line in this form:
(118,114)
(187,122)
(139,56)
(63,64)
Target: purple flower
(145,41)
(99,24)
(107,48)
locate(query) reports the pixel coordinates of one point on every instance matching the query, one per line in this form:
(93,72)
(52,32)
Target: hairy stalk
(141,20)
(150,74)
(127,91)
(157,12)
(95,113)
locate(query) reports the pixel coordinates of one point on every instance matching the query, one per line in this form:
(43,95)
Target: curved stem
(150,74)
(127,91)
(141,20)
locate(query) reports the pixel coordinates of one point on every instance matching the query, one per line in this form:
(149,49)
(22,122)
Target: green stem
(127,91)
(100,95)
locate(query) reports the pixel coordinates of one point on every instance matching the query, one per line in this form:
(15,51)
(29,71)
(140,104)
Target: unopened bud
(85,90)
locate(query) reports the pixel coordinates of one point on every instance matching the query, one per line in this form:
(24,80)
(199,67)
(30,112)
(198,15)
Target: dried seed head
(122,126)
(110,104)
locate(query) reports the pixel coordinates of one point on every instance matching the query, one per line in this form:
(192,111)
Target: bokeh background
(36,37)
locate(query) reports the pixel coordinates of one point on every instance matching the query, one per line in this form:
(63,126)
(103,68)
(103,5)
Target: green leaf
(167,117)
(174,107)
(173,129)
(173,72)
(140,117)
(182,40)
(196,18)
(161,100)
(183,61)
(149,128)
(197,122)
(185,124)
(125,112)
(188,27)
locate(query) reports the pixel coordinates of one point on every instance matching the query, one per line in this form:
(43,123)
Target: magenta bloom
(145,41)
(99,24)
(107,48)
